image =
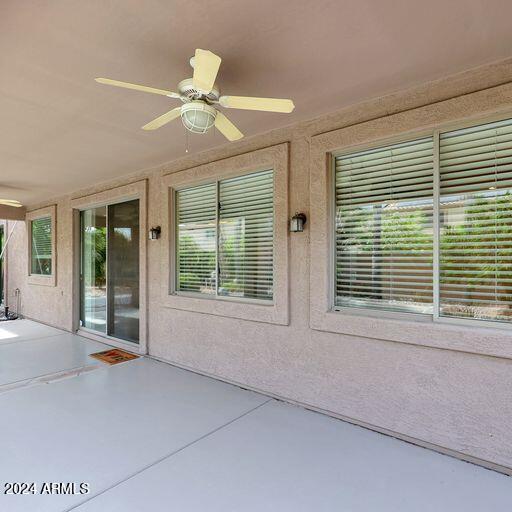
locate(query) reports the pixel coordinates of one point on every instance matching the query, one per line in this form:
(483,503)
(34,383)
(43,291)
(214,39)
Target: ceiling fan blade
(227,128)
(164,119)
(135,87)
(206,67)
(11,202)
(265,104)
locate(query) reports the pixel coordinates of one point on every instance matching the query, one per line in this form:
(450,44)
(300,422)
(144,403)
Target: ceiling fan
(201,96)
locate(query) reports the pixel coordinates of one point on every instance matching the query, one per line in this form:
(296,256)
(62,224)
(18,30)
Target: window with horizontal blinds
(225,231)
(383,227)
(476,222)
(41,246)
(196,240)
(246,236)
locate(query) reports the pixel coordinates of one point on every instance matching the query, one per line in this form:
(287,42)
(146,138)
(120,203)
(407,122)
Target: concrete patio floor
(149,436)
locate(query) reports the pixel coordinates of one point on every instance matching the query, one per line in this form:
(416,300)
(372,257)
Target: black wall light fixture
(154,233)
(297,223)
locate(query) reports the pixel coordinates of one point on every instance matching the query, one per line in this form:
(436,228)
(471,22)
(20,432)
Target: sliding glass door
(109,270)
(94,269)
(123,271)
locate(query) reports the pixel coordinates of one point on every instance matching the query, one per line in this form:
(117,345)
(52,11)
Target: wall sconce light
(297,223)
(154,233)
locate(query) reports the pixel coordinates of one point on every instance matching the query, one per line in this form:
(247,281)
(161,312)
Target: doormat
(114,356)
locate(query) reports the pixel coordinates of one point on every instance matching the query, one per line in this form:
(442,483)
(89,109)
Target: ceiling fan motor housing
(188,92)
(197,116)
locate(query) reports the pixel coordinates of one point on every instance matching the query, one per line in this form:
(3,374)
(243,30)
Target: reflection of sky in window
(416,203)
(124,232)
(484,194)
(202,234)
(454,206)
(408,204)
(232,227)
(492,192)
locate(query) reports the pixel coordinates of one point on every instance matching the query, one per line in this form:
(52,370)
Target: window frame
(41,279)
(274,157)
(393,124)
(435,317)
(215,296)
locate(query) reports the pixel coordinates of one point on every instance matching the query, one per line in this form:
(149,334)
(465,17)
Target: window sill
(376,313)
(409,329)
(40,280)
(228,298)
(255,311)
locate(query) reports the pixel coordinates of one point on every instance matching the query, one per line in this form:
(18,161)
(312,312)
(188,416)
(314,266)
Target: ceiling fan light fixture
(198,116)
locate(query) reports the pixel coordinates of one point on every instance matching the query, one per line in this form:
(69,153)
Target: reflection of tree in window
(382,240)
(384,234)
(476,255)
(476,234)
(95,244)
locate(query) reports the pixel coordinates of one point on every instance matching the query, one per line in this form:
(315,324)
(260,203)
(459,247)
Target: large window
(41,246)
(393,252)
(224,237)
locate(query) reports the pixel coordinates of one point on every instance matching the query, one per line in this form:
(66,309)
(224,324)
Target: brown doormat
(114,356)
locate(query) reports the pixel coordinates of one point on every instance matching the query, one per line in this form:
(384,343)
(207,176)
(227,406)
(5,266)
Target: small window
(383,227)
(225,237)
(41,246)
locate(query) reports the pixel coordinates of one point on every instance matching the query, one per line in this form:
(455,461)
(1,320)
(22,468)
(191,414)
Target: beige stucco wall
(448,394)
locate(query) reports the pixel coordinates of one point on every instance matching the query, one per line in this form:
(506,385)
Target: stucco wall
(453,397)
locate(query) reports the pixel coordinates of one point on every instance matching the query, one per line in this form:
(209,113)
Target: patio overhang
(12,213)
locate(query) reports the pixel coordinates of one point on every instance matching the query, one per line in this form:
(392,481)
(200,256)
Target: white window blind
(246,232)
(476,222)
(41,246)
(196,214)
(383,232)
(225,229)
